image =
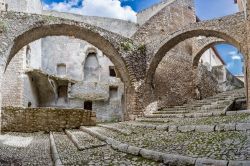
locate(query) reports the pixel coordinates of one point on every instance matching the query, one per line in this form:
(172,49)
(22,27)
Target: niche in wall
(113,92)
(28,55)
(61,69)
(91,67)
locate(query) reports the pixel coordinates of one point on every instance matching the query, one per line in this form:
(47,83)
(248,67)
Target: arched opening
(168,46)
(225,65)
(68,81)
(58,81)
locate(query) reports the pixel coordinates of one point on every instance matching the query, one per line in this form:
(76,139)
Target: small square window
(112,72)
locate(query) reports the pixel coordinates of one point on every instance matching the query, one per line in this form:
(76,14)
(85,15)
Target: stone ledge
(169,159)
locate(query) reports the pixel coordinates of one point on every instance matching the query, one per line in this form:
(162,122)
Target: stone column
(247,72)
(2,65)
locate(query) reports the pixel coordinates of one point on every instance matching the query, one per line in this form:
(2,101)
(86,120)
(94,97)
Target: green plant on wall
(142,48)
(127,45)
(3,26)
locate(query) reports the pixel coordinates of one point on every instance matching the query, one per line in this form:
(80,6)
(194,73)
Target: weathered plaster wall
(20,119)
(73,53)
(124,28)
(29,6)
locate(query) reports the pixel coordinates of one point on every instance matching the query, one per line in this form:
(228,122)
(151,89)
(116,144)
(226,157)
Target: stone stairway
(212,106)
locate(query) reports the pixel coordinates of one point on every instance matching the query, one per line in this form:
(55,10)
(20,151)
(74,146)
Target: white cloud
(102,8)
(236,57)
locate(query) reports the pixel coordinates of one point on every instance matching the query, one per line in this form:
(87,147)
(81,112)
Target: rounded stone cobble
(102,156)
(25,149)
(231,145)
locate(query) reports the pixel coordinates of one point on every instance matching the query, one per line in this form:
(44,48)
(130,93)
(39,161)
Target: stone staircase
(212,106)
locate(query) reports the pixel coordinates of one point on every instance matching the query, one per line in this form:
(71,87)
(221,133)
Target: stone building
(64,72)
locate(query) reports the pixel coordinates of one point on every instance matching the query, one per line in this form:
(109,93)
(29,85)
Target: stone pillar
(247,72)
(2,65)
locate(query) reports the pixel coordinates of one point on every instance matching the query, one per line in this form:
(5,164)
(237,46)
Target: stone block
(152,155)
(187,128)
(162,127)
(171,159)
(172,128)
(205,128)
(133,150)
(243,126)
(123,147)
(210,162)
(239,163)
(225,127)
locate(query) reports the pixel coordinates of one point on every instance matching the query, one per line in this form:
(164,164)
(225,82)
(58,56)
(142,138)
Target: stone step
(171,112)
(83,140)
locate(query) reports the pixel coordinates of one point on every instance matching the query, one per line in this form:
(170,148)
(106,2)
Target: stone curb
(73,139)
(76,142)
(168,159)
(197,128)
(54,153)
(198,114)
(115,129)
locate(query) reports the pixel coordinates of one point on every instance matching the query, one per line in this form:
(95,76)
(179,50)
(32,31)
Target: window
(88,105)
(61,69)
(112,72)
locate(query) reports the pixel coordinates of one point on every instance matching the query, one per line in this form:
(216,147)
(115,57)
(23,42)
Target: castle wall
(12,85)
(144,15)
(124,28)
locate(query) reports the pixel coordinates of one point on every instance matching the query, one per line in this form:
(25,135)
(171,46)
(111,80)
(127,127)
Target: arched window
(91,68)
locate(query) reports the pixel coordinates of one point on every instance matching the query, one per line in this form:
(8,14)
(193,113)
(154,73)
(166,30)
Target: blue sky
(127,9)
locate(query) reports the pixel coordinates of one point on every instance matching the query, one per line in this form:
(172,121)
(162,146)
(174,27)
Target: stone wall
(12,86)
(44,119)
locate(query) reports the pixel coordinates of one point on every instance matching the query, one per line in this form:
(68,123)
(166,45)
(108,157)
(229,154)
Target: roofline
(218,55)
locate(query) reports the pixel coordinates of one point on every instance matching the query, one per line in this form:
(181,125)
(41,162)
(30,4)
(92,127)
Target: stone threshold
(169,159)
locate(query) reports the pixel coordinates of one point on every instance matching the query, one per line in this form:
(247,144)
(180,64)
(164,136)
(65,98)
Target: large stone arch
(231,29)
(20,29)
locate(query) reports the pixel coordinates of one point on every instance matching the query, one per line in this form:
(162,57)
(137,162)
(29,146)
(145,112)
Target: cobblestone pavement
(215,145)
(25,149)
(101,156)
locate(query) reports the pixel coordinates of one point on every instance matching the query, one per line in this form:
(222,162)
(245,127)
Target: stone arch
(224,28)
(231,29)
(34,27)
(23,29)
